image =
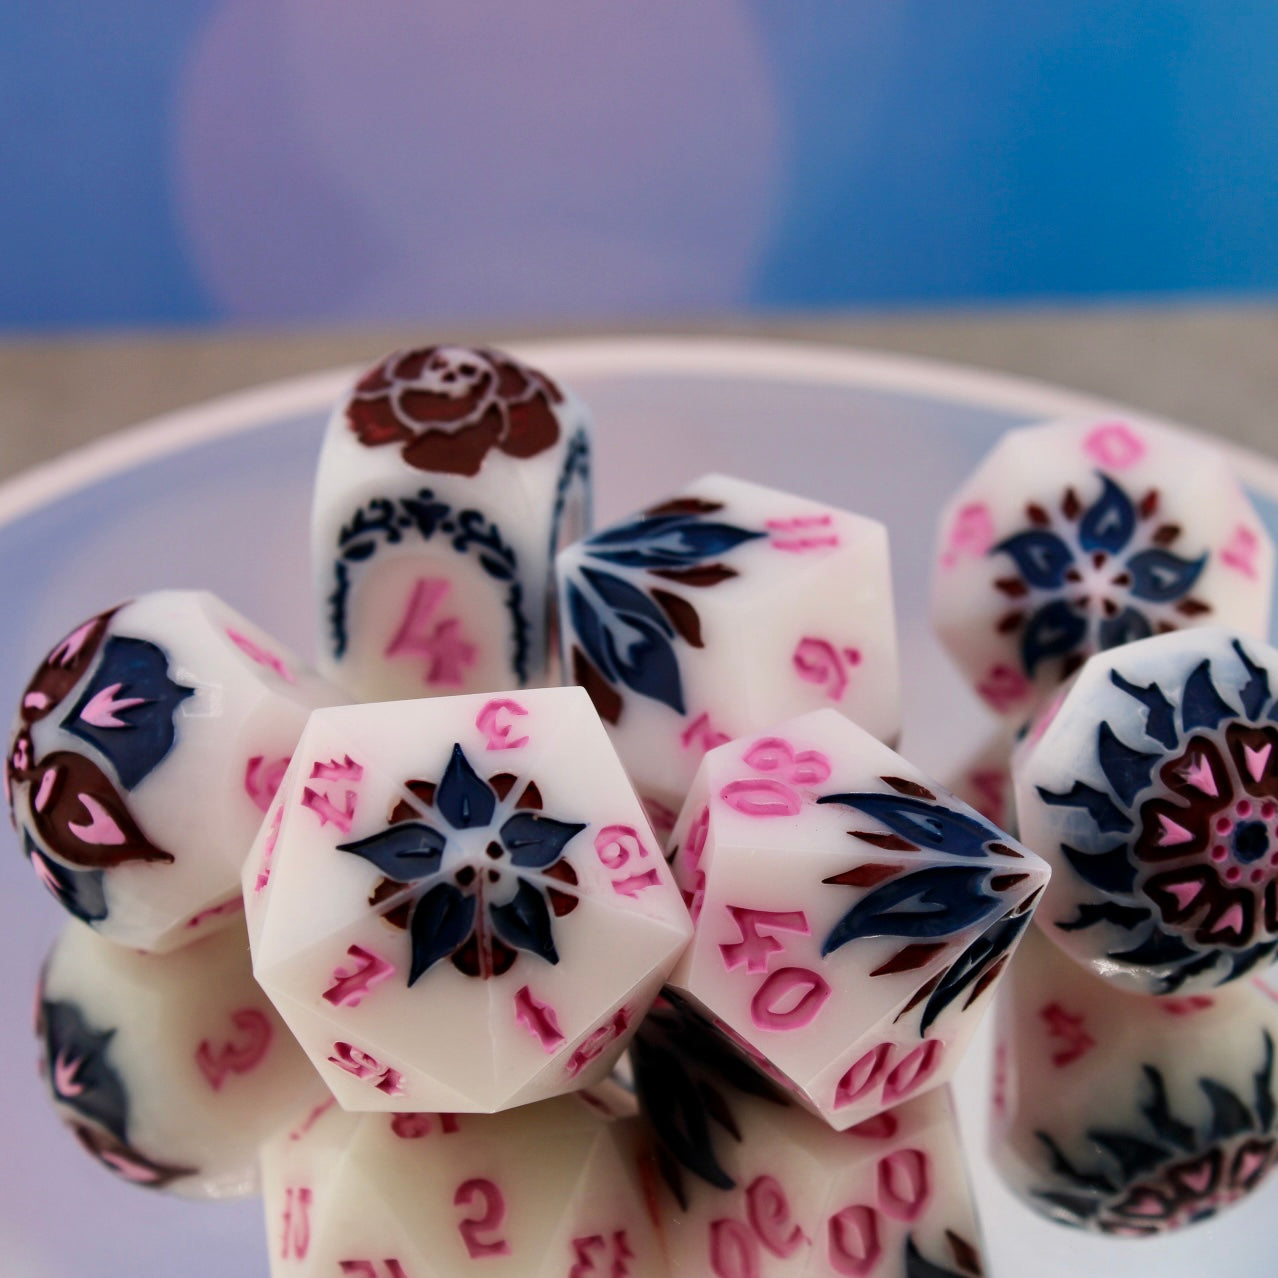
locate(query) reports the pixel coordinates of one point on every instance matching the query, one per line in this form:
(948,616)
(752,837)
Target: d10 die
(448,479)
(753,1185)
(170,1069)
(549,1189)
(850,915)
(1077,536)
(456,902)
(1153,790)
(723,610)
(1125,1114)
(147,747)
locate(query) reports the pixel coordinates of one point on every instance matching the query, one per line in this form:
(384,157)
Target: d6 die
(147,747)
(1077,536)
(448,479)
(170,1069)
(720,611)
(456,902)
(850,915)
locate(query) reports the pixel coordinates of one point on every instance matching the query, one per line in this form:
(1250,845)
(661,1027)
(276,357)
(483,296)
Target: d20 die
(753,1185)
(456,902)
(548,1189)
(448,479)
(170,1069)
(851,917)
(147,746)
(1077,536)
(1153,790)
(720,611)
(1125,1114)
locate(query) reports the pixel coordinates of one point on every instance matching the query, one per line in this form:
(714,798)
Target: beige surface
(1212,367)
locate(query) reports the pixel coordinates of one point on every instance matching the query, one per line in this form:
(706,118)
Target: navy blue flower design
(484,886)
(1093,577)
(625,631)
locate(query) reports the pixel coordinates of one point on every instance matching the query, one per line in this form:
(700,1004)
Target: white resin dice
(720,611)
(752,1185)
(1129,1115)
(1081,535)
(448,479)
(851,916)
(547,1190)
(1152,787)
(147,747)
(457,904)
(170,1069)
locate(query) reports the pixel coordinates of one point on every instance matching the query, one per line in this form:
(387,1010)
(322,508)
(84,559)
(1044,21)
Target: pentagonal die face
(720,611)
(147,747)
(851,916)
(750,1184)
(456,903)
(1125,1114)
(448,479)
(549,1189)
(1078,536)
(170,1069)
(1153,790)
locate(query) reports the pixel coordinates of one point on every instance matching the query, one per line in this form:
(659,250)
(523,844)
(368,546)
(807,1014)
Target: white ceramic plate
(217,497)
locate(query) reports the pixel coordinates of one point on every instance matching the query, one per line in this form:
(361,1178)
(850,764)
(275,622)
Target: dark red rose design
(448,406)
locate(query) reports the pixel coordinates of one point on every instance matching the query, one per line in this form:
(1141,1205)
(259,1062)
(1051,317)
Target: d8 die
(1153,790)
(850,915)
(1129,1115)
(147,747)
(456,902)
(548,1189)
(448,479)
(170,1069)
(720,611)
(753,1185)
(1077,536)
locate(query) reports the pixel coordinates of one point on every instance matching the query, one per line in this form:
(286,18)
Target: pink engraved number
(904,1181)
(366,1067)
(702,735)
(853,1237)
(616,846)
(820,662)
(1192,1003)
(444,647)
(369,1269)
(761,797)
(1114,444)
(415,1126)
(350,985)
(1066,1028)
(485,1193)
(971,533)
(322,803)
(913,1070)
(262,779)
(768,1211)
(268,851)
(238,1055)
(1241,552)
(255,652)
(494,722)
(756,948)
(232,906)
(863,1076)
(596,1041)
(789,999)
(806,532)
(1003,688)
(774,754)
(734,1253)
(588,1251)
(538,1019)
(297,1223)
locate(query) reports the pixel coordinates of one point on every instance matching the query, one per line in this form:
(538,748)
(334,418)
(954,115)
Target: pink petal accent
(1145,1203)
(1249,1161)
(1183,892)
(102,829)
(45,875)
(65,1082)
(1256,760)
(1172,832)
(46,786)
(35,701)
(130,1170)
(102,706)
(1198,1179)
(1198,774)
(68,649)
(1231,921)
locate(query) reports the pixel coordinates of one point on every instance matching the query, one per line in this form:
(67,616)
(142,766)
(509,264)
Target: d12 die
(755,1186)
(549,1189)
(448,479)
(1125,1114)
(723,610)
(456,902)
(1077,536)
(1153,790)
(850,915)
(147,747)
(170,1069)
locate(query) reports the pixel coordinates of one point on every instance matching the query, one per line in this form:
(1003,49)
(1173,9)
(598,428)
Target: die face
(749,1183)
(1125,1114)
(169,1069)
(147,746)
(851,917)
(448,479)
(1154,792)
(722,610)
(463,862)
(1078,536)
